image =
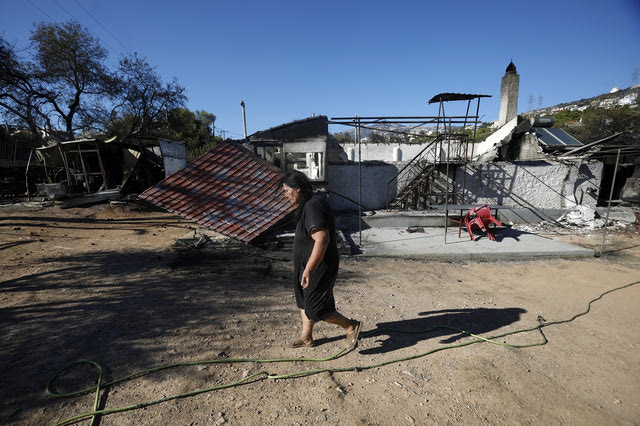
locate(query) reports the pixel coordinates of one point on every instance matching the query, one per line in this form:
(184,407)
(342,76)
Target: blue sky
(290,59)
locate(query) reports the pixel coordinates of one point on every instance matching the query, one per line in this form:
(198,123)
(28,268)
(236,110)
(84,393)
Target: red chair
(481,218)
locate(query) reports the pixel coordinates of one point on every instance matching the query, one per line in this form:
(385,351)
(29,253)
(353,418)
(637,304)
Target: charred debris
(88,170)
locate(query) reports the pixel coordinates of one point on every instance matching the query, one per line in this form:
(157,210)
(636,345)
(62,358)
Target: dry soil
(109,284)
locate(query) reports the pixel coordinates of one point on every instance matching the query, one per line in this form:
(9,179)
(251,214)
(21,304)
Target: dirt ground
(109,284)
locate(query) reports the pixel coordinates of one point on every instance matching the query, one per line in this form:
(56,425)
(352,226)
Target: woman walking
(315,260)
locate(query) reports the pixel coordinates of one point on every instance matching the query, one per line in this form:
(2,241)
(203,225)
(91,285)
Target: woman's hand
(320,243)
(306,279)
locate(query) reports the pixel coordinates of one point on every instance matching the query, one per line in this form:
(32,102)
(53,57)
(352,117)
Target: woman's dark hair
(298,180)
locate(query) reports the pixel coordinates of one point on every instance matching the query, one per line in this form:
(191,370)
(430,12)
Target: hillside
(623,97)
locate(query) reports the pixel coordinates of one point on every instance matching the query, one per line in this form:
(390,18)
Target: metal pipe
(65,161)
(446,183)
(589,145)
(430,117)
(455,120)
(359,179)
(26,175)
(84,172)
(102,171)
(604,232)
(466,155)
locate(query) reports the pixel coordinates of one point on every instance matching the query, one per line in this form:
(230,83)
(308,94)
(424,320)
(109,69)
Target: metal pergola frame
(441,118)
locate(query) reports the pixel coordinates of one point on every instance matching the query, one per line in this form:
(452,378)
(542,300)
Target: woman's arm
(320,243)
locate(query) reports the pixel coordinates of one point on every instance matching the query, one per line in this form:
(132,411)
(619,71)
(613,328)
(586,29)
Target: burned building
(301,145)
(525,164)
(97,169)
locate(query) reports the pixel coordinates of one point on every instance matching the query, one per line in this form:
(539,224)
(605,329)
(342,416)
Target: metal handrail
(410,163)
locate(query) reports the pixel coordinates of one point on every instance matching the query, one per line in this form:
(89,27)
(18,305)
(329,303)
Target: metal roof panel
(228,190)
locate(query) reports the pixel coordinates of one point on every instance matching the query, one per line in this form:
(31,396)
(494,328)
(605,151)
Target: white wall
(385,151)
(343,179)
(382,151)
(542,184)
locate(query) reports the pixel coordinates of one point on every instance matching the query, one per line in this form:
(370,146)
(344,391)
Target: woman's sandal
(299,343)
(352,338)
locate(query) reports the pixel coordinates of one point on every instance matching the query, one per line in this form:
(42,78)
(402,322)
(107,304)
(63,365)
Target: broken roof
(228,190)
(53,154)
(446,97)
(295,130)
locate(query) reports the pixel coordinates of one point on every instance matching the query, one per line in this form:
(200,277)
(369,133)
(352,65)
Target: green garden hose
(96,413)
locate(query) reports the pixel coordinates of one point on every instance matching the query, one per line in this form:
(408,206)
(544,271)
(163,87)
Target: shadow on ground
(127,311)
(395,335)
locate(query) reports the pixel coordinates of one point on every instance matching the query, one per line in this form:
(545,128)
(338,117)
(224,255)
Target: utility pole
(244,119)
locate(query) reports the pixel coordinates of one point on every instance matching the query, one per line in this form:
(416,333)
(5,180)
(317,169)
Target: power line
(223,132)
(69,13)
(40,10)
(92,17)
(126,49)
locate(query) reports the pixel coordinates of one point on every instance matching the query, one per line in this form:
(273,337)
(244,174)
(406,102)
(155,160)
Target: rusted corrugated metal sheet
(227,190)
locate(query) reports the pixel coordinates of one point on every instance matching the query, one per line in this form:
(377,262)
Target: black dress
(317,300)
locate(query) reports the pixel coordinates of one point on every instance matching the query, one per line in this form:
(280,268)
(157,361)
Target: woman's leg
(307,328)
(352,327)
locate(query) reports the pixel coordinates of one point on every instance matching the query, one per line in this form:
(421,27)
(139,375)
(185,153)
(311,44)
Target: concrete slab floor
(510,244)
